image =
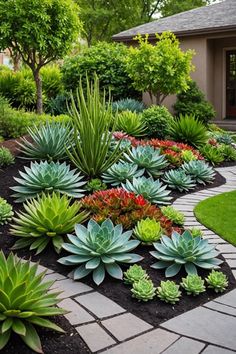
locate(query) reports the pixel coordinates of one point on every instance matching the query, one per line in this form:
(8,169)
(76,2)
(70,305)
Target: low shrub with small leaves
(217,281)
(193,284)
(173,214)
(169,292)
(143,290)
(157,120)
(148,231)
(95,184)
(6,157)
(6,211)
(178,179)
(134,273)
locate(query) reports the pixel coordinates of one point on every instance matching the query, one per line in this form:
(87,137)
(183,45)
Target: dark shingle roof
(219,16)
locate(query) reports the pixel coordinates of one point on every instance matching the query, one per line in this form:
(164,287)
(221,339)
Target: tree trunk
(16,62)
(39,90)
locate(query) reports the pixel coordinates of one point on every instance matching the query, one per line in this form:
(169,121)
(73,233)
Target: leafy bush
(6,211)
(48,142)
(169,292)
(47,177)
(108,61)
(6,157)
(95,184)
(25,302)
(120,172)
(178,179)
(212,154)
(58,105)
(128,104)
(52,80)
(193,284)
(99,249)
(130,123)
(46,219)
(184,250)
(173,214)
(199,171)
(134,273)
(157,119)
(143,290)
(153,191)
(217,281)
(148,231)
(193,102)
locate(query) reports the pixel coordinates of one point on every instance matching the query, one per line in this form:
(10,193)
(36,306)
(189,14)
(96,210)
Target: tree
(160,70)
(172,7)
(40,31)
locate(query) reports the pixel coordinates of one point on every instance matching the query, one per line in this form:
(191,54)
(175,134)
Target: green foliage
(52,81)
(128,104)
(6,157)
(120,172)
(153,191)
(173,214)
(149,158)
(48,142)
(196,232)
(6,212)
(99,249)
(95,184)
(212,154)
(160,69)
(148,231)
(188,155)
(224,138)
(189,130)
(143,290)
(58,105)
(193,284)
(134,273)
(107,60)
(47,177)
(217,281)
(157,120)
(172,7)
(193,102)
(228,152)
(178,179)
(46,219)
(130,123)
(25,302)
(199,171)
(91,122)
(169,292)
(184,250)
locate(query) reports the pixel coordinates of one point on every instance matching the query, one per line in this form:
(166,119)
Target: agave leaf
(4,338)
(93,263)
(81,272)
(99,274)
(31,338)
(114,270)
(42,322)
(6,325)
(172,270)
(160,265)
(19,327)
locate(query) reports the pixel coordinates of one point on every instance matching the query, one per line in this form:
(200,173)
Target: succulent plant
(212,154)
(188,155)
(134,273)
(130,123)
(143,290)
(228,152)
(184,250)
(6,211)
(148,158)
(6,157)
(48,142)
(217,281)
(148,231)
(193,284)
(25,302)
(46,219)
(196,232)
(99,249)
(128,104)
(95,184)
(48,177)
(120,172)
(169,292)
(178,179)
(199,171)
(153,191)
(224,139)
(173,214)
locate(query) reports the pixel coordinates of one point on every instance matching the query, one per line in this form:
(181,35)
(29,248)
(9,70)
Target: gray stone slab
(95,337)
(226,248)
(228,299)
(234,273)
(77,314)
(229,255)
(99,304)
(221,308)
(185,346)
(153,342)
(125,326)
(54,276)
(206,325)
(211,349)
(70,287)
(232,263)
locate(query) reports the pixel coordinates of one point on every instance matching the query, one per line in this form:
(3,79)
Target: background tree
(160,70)
(40,31)
(172,7)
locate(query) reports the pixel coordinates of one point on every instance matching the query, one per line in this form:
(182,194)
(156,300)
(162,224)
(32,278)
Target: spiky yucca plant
(120,172)
(148,231)
(48,177)
(134,273)
(46,219)
(6,212)
(99,249)
(169,292)
(178,179)
(25,302)
(153,191)
(217,281)
(143,290)
(193,284)
(199,171)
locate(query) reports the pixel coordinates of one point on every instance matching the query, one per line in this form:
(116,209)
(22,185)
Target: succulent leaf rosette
(178,179)
(169,292)
(120,172)
(6,211)
(199,171)
(148,231)
(218,281)
(134,273)
(193,284)
(143,290)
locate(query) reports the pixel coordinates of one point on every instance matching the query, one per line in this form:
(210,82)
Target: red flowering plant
(124,208)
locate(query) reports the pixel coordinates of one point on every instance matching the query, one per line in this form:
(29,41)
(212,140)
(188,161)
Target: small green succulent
(134,273)
(178,179)
(95,184)
(173,214)
(199,171)
(218,281)
(168,291)
(196,232)
(193,284)
(188,155)
(6,211)
(6,157)
(212,154)
(120,172)
(228,152)
(130,123)
(143,290)
(148,231)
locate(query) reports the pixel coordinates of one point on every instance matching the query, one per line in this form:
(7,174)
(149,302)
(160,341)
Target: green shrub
(157,120)
(6,157)
(193,102)
(128,104)
(130,123)
(52,81)
(58,105)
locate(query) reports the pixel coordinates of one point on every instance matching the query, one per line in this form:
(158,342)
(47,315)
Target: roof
(212,18)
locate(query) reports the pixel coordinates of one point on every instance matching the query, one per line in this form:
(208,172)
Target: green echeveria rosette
(148,231)
(6,212)
(143,290)
(134,273)
(120,172)
(217,281)
(169,292)
(173,214)
(193,285)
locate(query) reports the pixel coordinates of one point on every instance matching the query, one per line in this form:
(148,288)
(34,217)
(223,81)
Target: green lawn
(219,214)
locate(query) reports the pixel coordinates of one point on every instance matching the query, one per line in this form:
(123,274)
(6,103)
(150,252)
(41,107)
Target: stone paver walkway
(109,329)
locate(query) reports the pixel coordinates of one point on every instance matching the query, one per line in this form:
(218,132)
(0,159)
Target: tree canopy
(172,7)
